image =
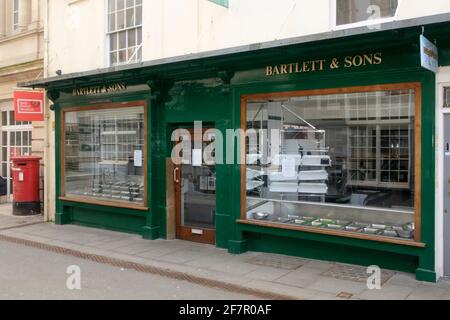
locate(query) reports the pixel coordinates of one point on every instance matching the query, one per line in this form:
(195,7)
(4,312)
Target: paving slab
(426,292)
(302,277)
(336,286)
(7,221)
(211,260)
(234,268)
(186,255)
(115,244)
(298,293)
(387,292)
(319,265)
(267,273)
(403,279)
(132,247)
(156,252)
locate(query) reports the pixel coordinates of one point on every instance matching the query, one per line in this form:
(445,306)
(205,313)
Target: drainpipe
(47,123)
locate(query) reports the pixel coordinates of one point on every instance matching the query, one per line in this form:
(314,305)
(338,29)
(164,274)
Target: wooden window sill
(104,203)
(339,233)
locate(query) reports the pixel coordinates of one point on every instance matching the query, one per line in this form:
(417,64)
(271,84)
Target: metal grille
(276,261)
(354,273)
(266,295)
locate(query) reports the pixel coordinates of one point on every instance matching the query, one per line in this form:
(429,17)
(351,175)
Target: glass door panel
(195,184)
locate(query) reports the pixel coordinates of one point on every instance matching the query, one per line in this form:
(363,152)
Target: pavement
(259,275)
(7,220)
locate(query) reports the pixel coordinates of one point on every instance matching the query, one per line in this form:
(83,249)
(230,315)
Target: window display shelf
(119,133)
(287,187)
(313,175)
(112,162)
(314,188)
(288,214)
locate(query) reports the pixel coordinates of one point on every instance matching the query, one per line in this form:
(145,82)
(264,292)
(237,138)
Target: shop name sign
(355,61)
(429,56)
(110,88)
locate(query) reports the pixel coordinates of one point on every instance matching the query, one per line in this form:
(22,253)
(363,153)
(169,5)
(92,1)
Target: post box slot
(22,164)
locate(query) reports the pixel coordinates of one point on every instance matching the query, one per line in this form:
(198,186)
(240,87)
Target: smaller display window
(104,154)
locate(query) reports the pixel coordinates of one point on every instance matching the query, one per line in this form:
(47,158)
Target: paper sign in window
(138,158)
(288,167)
(197,157)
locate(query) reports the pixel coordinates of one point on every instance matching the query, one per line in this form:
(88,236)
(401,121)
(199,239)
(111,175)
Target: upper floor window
(364,11)
(124,31)
(223,3)
(15,17)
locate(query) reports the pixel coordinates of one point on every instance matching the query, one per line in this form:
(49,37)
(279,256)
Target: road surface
(29,273)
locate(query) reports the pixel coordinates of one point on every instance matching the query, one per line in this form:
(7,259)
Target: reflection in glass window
(341,161)
(104,152)
(352,11)
(15,20)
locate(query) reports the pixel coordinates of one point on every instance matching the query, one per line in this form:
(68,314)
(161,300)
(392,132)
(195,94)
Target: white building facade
(21,59)
(172,28)
(84,35)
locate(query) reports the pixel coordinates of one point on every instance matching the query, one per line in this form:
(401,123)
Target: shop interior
(341,161)
(104,154)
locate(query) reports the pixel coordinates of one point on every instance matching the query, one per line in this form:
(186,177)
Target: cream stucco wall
(172,27)
(76,35)
(180,27)
(409,9)
(22,59)
(77,28)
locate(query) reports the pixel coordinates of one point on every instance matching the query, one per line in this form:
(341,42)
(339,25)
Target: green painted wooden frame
(137,220)
(244,235)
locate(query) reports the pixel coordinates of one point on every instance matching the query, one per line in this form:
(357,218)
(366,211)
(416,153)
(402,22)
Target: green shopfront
(335,159)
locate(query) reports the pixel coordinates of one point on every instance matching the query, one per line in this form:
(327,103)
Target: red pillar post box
(25,174)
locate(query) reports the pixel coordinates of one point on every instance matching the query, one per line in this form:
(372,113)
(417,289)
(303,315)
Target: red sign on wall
(29,105)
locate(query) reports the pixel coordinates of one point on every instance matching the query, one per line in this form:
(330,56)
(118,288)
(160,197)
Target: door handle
(176,172)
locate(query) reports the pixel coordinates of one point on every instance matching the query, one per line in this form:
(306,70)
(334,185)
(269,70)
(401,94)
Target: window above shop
(124,31)
(104,154)
(354,13)
(15,15)
(343,160)
(223,3)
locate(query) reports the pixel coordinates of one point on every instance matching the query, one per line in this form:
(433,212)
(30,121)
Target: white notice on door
(288,167)
(138,158)
(197,157)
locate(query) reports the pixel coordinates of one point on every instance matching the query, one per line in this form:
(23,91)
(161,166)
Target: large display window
(343,161)
(103,159)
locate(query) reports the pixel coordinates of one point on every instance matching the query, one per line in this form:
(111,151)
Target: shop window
(15,15)
(104,154)
(124,31)
(362,11)
(341,161)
